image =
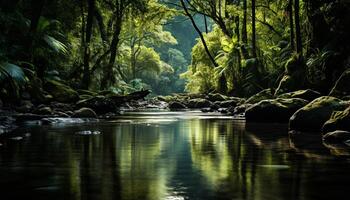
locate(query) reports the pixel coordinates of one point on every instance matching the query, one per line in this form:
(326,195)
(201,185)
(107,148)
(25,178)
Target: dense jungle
(234,83)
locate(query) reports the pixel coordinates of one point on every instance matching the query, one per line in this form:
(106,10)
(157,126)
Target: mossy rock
(217,97)
(274,110)
(61,92)
(85,113)
(193,95)
(176,105)
(336,137)
(341,88)
(312,116)
(340,120)
(263,95)
(199,103)
(168,98)
(308,94)
(227,104)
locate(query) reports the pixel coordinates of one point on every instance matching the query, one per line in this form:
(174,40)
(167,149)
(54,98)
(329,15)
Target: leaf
(13,72)
(55,45)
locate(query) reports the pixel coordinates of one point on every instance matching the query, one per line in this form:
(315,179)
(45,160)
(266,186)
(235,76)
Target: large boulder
(340,120)
(199,103)
(61,92)
(216,97)
(84,113)
(274,110)
(43,110)
(337,137)
(174,105)
(308,94)
(227,103)
(341,87)
(263,95)
(315,114)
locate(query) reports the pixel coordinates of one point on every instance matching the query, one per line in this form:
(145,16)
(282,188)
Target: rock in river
(315,114)
(263,95)
(199,103)
(84,113)
(174,105)
(308,94)
(274,110)
(337,137)
(340,120)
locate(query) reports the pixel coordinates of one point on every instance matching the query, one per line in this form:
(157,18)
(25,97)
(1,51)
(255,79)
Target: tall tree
(299,45)
(89,23)
(120,10)
(188,14)
(253,29)
(36,11)
(291,23)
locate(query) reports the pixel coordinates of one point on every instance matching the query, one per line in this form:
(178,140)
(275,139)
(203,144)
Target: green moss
(315,114)
(61,92)
(263,95)
(340,120)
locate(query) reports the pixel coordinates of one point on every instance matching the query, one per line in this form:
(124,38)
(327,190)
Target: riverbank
(304,110)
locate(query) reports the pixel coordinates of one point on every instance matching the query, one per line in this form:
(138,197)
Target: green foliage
(12,79)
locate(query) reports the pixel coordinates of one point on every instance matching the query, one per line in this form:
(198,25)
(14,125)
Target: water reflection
(169,157)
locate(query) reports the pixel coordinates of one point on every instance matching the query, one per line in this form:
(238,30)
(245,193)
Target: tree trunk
(37,8)
(244,31)
(108,77)
(89,23)
(291,24)
(253,29)
(297,28)
(199,33)
(100,23)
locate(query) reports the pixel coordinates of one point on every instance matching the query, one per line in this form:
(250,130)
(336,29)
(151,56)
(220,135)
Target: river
(168,155)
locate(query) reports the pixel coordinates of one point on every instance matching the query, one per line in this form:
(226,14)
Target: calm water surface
(175,156)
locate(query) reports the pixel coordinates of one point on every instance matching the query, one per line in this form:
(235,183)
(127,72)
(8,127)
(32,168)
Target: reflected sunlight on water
(168,155)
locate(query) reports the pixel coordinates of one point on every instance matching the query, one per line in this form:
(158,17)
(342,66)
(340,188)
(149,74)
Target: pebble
(16,138)
(88,133)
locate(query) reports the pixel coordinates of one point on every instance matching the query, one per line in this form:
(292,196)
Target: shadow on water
(169,156)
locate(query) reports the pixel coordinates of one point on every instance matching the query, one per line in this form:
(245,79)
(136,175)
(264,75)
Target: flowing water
(168,156)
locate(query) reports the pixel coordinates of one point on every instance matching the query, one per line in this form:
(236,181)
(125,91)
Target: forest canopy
(234,47)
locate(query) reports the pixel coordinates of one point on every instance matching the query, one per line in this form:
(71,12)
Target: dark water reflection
(171,156)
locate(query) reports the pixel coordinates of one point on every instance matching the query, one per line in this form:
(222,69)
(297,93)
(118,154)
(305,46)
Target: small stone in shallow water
(96,132)
(88,133)
(16,138)
(84,133)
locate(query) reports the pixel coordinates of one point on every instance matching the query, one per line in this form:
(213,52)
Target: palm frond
(9,71)
(56,45)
